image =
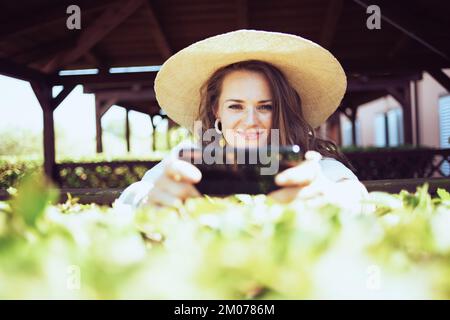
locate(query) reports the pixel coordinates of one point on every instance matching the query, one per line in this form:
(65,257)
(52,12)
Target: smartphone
(227,171)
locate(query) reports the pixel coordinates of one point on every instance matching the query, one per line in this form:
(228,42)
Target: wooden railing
(382,170)
(116,174)
(376,165)
(106,196)
(400,164)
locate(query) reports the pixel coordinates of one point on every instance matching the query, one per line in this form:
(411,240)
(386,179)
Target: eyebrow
(240,101)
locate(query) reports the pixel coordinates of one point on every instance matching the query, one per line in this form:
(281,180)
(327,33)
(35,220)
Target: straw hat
(312,70)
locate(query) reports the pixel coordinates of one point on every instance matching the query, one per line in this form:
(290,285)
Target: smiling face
(245,109)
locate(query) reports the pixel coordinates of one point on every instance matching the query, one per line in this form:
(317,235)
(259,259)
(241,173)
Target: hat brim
(311,70)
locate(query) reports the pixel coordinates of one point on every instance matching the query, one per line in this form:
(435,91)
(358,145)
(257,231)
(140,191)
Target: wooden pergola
(35,45)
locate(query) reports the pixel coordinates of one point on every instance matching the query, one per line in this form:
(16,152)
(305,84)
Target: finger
(310,191)
(300,175)
(159,197)
(313,155)
(182,190)
(284,195)
(183,171)
(321,186)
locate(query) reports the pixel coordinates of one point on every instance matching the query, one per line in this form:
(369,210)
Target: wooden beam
(409,30)
(333,13)
(146,78)
(158,35)
(360,98)
(146,108)
(242,14)
(91,58)
(135,88)
(399,45)
(128,95)
(440,77)
(377,64)
(39,53)
(14,70)
(355,86)
(380,83)
(91,35)
(61,96)
(98,59)
(106,105)
(397,94)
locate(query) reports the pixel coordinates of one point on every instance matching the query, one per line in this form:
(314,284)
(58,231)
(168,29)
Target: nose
(251,118)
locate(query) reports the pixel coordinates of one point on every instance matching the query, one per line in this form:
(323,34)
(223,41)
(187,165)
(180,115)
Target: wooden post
(98,125)
(386,129)
(43,92)
(403,96)
(353,120)
(416,113)
(127,130)
(101,107)
(153,136)
(407,115)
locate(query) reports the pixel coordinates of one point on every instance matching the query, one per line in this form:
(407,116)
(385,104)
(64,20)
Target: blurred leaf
(443,194)
(34,194)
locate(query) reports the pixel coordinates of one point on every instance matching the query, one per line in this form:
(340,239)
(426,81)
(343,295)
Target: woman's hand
(175,184)
(304,181)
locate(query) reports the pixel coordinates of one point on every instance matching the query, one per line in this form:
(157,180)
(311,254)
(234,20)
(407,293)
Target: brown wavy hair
(287,113)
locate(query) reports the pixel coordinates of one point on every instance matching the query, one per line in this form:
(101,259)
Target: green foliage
(238,247)
(20,142)
(32,198)
(12,171)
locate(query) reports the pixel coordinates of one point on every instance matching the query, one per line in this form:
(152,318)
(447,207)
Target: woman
(244,84)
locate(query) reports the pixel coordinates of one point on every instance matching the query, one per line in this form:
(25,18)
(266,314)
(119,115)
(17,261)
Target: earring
(216,126)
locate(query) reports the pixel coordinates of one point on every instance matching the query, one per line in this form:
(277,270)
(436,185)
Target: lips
(250,135)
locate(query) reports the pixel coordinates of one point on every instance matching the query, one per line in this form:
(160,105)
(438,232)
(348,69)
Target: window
(380,130)
(444,128)
(395,126)
(389,128)
(347,133)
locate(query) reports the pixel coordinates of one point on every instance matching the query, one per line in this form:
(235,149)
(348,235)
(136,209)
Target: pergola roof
(146,32)
(35,43)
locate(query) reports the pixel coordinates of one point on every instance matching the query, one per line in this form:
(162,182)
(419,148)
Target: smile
(249,135)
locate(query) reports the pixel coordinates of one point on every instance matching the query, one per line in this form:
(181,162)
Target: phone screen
(227,171)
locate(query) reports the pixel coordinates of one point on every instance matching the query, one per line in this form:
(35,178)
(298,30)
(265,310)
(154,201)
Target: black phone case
(233,177)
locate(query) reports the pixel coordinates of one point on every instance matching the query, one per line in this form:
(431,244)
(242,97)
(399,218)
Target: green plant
(236,247)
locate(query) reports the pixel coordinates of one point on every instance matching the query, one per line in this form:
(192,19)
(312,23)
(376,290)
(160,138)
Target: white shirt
(135,193)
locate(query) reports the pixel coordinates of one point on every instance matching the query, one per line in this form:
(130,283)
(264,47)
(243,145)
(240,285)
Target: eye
(267,107)
(235,106)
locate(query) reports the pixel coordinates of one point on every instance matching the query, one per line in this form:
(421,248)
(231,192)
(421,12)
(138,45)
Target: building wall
(428,93)
(366,115)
